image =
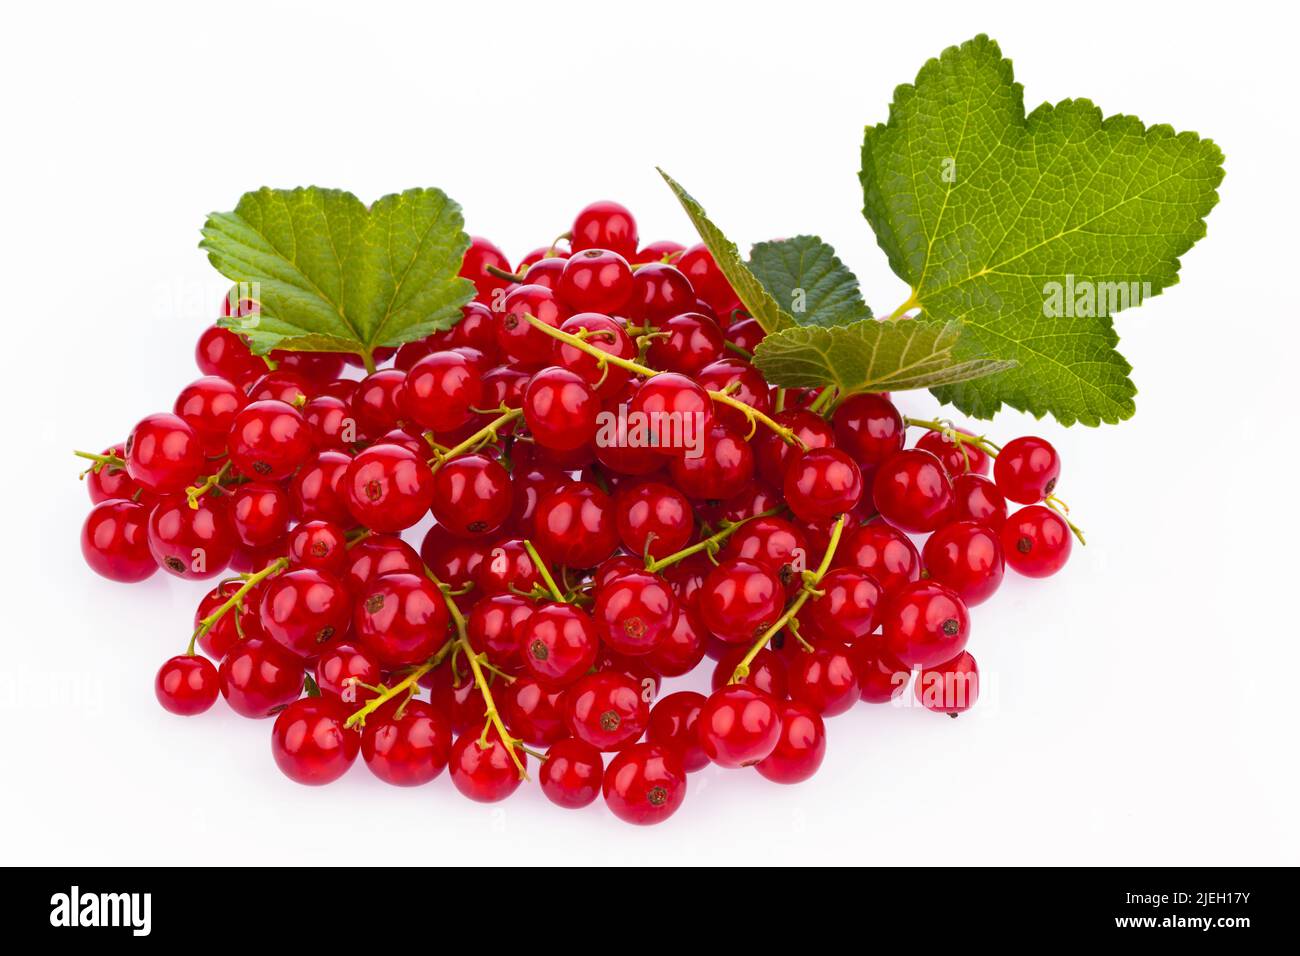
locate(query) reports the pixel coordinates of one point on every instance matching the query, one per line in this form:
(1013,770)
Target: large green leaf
(808,280)
(331,275)
(990,214)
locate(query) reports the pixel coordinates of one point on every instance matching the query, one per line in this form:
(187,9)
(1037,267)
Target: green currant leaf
(331,275)
(748,289)
(870,356)
(808,280)
(991,216)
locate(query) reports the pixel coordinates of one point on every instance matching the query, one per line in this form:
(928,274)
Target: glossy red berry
(774,543)
(869,428)
(645,784)
(672,412)
(481,254)
(259,513)
(604,225)
(659,292)
(880,677)
(505,565)
(685,343)
(967,557)
(1036,541)
(559,644)
(331,422)
(546,272)
(319,544)
(635,613)
(163,453)
(310,743)
(824,679)
(221,352)
(115,543)
(269,440)
(190,542)
(849,604)
(575,526)
(604,334)
(595,280)
(560,409)
(303,609)
(534,712)
(282,386)
(723,463)
(343,667)
(912,491)
(259,677)
(661,250)
(958,458)
(209,406)
(773,454)
(739,379)
(441,390)
(739,725)
(746,334)
(403,618)
(740,599)
(607,710)
(683,648)
(388,488)
(801,748)
(317,489)
(105,481)
(472,495)
(700,269)
(822,483)
(925,624)
(654,518)
(409,747)
(493,628)
(883,552)
(486,772)
(376,403)
(767,671)
(572,773)
(673,725)
(976,498)
(316,367)
(379,554)
(225,632)
(950,688)
(1026,469)
(187,685)
(529,347)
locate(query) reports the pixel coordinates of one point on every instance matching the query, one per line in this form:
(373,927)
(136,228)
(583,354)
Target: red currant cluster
(573,564)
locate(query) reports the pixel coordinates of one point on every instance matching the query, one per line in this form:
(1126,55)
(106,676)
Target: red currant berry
(572,773)
(516,337)
(676,412)
(742,382)
(958,459)
(331,422)
(880,677)
(825,679)
(740,600)
(320,545)
(967,557)
(259,512)
(344,665)
(471,495)
(654,519)
(559,643)
(767,671)
(645,784)
(105,482)
(317,489)
(410,747)
(802,746)
(686,343)
(534,712)
(925,624)
(376,401)
(302,609)
(191,542)
(209,406)
(163,453)
(223,353)
(388,488)
(269,440)
(377,555)
(481,254)
(484,772)
(848,606)
(545,272)
(822,483)
(739,725)
(604,334)
(635,613)
(310,743)
(186,685)
(317,367)
(725,462)
(660,291)
(773,454)
(493,628)
(607,710)
(454,692)
(115,543)
(976,498)
(697,264)
(682,649)
(403,618)
(575,526)
(869,428)
(595,280)
(259,678)
(506,565)
(560,409)
(441,389)
(774,543)
(746,334)
(661,250)
(949,688)
(883,552)
(912,491)
(282,386)
(673,725)
(1026,470)
(224,633)
(604,225)
(1036,541)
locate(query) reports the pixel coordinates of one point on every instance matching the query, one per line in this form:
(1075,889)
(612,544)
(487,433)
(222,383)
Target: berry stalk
(811,580)
(252,581)
(709,544)
(195,492)
(486,434)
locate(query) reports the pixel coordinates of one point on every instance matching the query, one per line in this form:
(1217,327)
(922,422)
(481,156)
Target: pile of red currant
(570,567)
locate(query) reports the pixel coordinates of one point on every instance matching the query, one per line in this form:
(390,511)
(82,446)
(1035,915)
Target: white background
(1139,707)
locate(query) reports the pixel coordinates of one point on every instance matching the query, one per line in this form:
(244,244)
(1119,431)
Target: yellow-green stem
(487,433)
(709,543)
(544,571)
(195,492)
(252,581)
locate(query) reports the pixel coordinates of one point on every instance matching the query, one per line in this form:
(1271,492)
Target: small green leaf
(331,275)
(808,280)
(748,289)
(870,356)
(988,213)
